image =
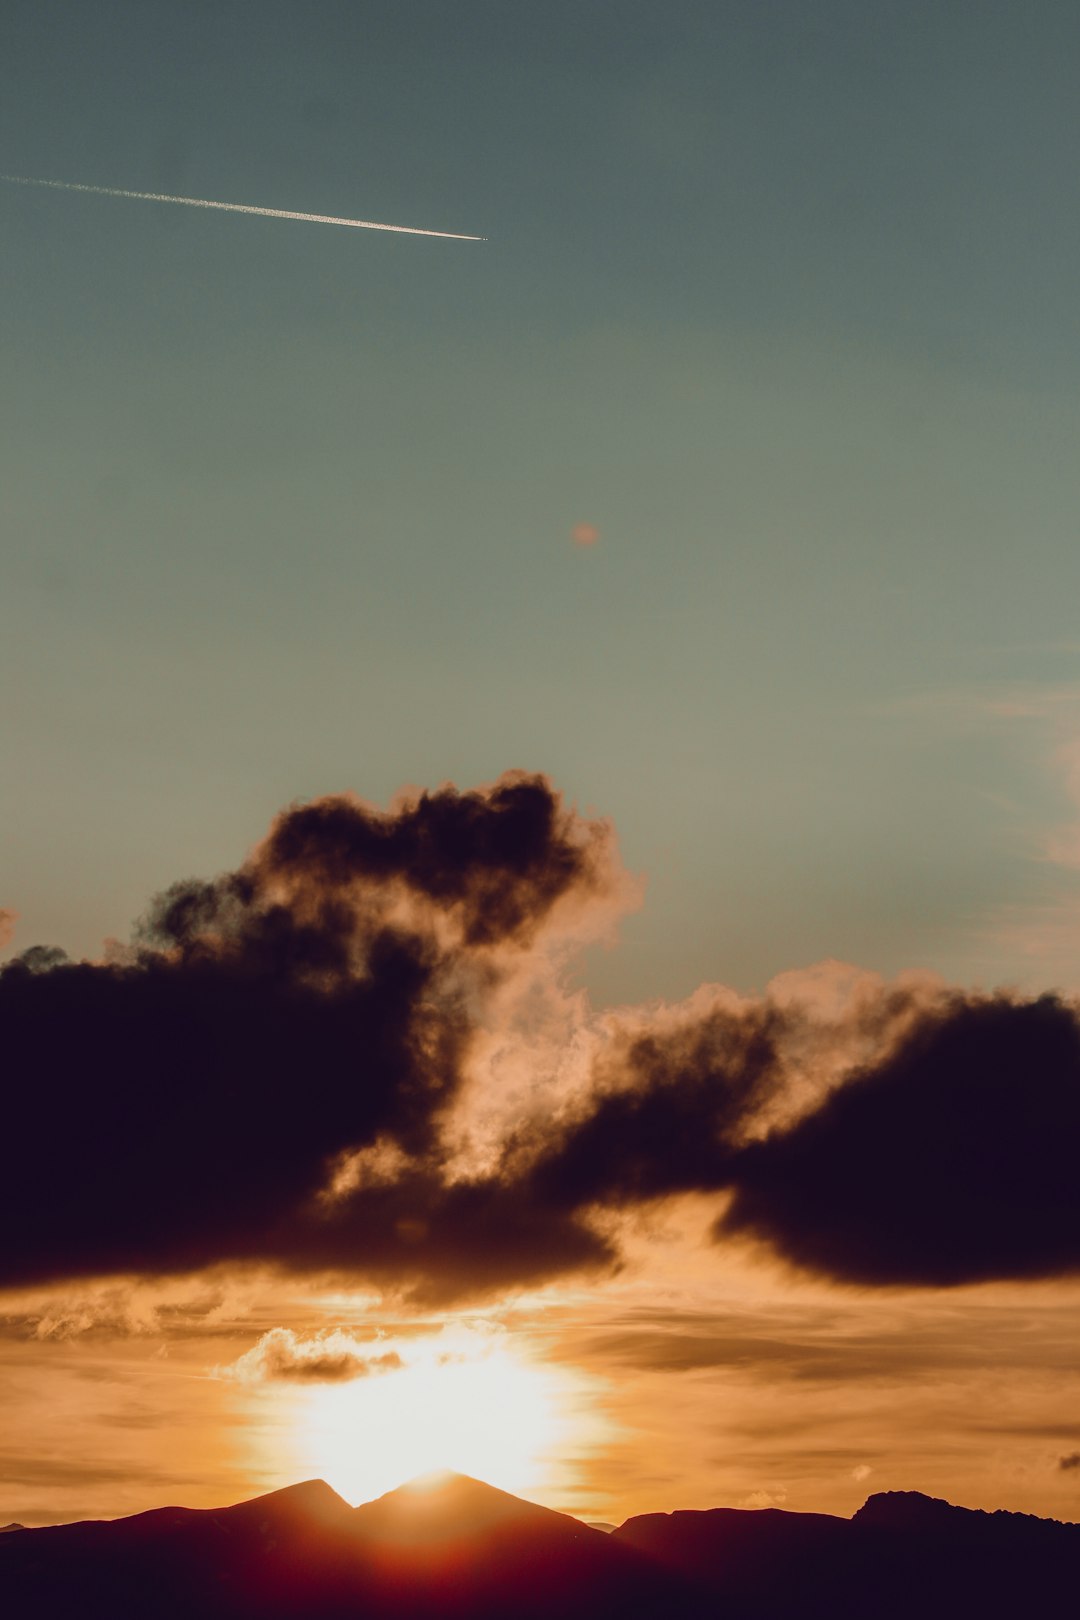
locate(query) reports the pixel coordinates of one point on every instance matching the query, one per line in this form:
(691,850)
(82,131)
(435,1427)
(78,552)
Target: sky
(681,1111)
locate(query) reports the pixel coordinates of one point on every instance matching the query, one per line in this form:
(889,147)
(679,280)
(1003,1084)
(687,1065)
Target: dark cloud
(444,1241)
(672,1108)
(952,1161)
(185,1104)
(1072,1460)
(181,1111)
(497,862)
(265,1076)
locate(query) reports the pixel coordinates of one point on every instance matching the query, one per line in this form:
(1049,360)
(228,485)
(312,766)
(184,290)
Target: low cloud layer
(274,1074)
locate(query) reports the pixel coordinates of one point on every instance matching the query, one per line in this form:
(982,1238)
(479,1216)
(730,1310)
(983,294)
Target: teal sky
(779,296)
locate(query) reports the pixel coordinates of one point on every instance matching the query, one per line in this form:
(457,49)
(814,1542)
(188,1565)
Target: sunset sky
(554,760)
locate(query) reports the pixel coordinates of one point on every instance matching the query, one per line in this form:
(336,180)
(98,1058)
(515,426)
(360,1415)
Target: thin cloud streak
(234,208)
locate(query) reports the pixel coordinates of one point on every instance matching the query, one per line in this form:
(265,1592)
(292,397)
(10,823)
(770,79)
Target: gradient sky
(781,298)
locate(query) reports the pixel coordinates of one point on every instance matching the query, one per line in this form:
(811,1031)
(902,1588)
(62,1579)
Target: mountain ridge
(456,1547)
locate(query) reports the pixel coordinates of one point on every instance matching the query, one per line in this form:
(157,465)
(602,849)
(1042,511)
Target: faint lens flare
(234,208)
(584,534)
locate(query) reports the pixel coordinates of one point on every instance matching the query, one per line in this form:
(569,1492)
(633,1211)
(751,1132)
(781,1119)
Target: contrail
(235,208)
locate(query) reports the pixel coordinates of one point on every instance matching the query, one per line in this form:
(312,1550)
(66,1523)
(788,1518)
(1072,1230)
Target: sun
(483,1411)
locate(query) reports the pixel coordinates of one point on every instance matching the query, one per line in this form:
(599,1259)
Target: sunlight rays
(464,1402)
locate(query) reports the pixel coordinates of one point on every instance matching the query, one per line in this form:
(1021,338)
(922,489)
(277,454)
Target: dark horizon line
(428,1483)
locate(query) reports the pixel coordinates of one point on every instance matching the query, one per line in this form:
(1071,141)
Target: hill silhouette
(453,1546)
(901,1555)
(446,1547)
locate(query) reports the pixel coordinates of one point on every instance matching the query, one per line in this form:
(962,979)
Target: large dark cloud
(265,1077)
(185,1104)
(496,862)
(951,1159)
(955,1160)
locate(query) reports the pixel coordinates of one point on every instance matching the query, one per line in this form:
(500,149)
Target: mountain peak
(904,1509)
(445,1506)
(912,1511)
(307,1493)
(312,1503)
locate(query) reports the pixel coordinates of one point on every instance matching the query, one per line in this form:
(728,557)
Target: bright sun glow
(462,1402)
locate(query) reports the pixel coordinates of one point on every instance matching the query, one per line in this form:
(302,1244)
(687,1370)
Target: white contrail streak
(235,208)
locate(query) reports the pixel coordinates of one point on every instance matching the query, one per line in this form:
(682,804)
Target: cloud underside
(268,1073)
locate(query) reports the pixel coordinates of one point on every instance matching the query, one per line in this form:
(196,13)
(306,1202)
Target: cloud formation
(187,1307)
(947,1157)
(953,1160)
(190,1102)
(274,1073)
(1069,1462)
(331,1357)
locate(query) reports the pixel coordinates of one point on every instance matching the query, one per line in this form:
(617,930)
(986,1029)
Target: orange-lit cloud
(331,1357)
(585,534)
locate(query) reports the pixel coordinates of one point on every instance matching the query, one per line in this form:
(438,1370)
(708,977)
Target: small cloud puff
(1071,1461)
(584,534)
(765,1499)
(861,1472)
(330,1357)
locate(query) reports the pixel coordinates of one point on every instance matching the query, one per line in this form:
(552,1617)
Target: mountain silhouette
(901,1555)
(453,1546)
(173,1561)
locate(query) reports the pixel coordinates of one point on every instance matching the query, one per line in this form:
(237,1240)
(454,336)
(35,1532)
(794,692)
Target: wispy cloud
(1046,928)
(176,1308)
(1036,727)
